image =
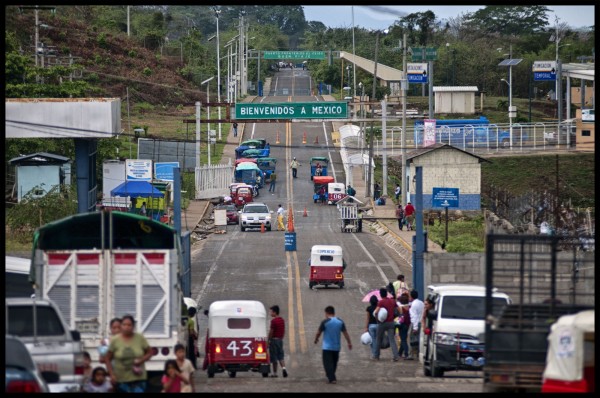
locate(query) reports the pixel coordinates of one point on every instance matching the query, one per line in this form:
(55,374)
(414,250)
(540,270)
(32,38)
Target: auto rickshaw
(258,143)
(242,160)
(315,162)
(326,266)
(256,153)
(335,192)
(249,173)
(244,193)
(267,165)
(320,187)
(570,365)
(236,338)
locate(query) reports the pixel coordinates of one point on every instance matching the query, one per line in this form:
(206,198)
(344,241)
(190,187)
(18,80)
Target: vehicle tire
(210,374)
(436,371)
(341,285)
(311,178)
(242,229)
(268,228)
(232,374)
(311,285)
(265,374)
(426,371)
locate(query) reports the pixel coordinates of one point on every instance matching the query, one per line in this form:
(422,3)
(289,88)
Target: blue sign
(445,197)
(164,171)
(417,78)
(544,76)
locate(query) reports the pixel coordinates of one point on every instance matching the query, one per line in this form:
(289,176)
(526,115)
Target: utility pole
(128,23)
(217,12)
(36,27)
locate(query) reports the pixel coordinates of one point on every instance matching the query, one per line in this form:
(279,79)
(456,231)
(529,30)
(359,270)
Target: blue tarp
(137,189)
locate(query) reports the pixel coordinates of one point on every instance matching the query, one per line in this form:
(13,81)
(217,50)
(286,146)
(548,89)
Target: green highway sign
(293,54)
(423,53)
(292,110)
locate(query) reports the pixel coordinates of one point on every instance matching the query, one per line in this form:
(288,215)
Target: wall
(449,168)
(454,268)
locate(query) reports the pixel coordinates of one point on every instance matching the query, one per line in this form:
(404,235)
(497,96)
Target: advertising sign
(164,170)
(138,169)
(293,54)
(429,132)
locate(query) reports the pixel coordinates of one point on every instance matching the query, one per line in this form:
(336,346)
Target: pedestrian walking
(400,216)
(409,215)
(387,327)
(404,326)
(371,325)
(235,126)
(416,313)
(130,350)
(400,286)
(276,334)
(294,166)
(186,367)
(192,336)
(398,192)
(332,328)
(280,213)
(360,219)
(272,182)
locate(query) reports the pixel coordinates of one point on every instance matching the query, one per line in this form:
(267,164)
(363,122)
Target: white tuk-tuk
(570,362)
(237,338)
(326,266)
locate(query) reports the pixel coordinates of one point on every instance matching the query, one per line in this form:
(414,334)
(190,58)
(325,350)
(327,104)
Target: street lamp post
(217,12)
(509,103)
(512,111)
(207,81)
(404,85)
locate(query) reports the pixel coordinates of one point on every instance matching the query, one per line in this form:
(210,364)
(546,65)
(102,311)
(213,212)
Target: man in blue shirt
(332,327)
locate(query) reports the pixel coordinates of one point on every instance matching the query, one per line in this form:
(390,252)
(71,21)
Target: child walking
(172,380)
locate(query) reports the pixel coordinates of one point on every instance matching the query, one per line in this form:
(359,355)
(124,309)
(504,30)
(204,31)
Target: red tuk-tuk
(320,188)
(236,338)
(326,266)
(244,193)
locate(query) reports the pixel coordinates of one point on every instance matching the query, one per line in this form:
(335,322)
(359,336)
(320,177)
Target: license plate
(261,356)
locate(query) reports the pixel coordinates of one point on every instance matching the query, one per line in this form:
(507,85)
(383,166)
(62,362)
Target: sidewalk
(384,216)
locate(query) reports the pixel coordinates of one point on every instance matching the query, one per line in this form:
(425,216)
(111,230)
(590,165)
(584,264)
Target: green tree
(509,20)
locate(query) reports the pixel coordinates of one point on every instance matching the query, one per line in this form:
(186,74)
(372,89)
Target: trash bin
(290,241)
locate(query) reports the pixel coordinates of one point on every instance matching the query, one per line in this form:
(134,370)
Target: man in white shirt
(416,313)
(280,225)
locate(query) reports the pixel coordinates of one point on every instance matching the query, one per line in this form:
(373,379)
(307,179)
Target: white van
(456,323)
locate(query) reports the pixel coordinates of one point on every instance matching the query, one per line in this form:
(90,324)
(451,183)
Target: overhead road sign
(417,73)
(288,110)
(293,54)
(423,53)
(445,197)
(544,70)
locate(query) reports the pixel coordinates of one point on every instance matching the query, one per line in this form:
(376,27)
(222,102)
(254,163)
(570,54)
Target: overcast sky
(380,17)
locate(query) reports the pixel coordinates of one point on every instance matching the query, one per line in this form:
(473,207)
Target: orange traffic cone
(290,219)
(277,138)
(305,213)
(262,228)
(316,139)
(304,138)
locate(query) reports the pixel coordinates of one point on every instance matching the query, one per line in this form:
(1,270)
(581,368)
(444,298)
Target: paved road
(255,266)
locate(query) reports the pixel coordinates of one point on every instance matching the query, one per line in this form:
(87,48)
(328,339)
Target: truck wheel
(435,370)
(232,374)
(426,371)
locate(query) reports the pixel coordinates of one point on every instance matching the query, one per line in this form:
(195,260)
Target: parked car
(48,339)
(254,214)
(454,341)
(232,215)
(21,373)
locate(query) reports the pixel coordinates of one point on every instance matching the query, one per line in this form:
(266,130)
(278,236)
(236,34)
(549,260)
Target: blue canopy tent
(140,189)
